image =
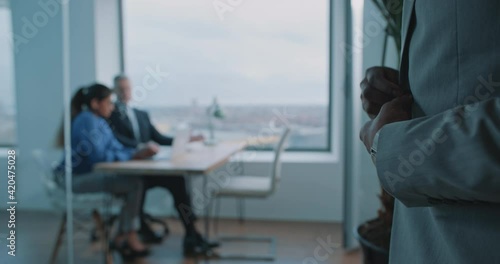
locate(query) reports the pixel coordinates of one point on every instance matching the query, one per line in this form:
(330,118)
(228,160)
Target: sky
(262,52)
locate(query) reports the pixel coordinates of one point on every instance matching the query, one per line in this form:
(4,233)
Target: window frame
(329,148)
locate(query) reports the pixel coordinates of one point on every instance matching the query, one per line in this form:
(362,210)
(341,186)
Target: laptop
(178,148)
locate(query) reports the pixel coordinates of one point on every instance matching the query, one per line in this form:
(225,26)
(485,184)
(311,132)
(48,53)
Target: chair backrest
(57,192)
(276,170)
(47,171)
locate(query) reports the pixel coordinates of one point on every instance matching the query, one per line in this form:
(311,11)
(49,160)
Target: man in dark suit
(133,128)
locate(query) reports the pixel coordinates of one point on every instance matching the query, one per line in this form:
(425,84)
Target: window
(266,62)
(7,98)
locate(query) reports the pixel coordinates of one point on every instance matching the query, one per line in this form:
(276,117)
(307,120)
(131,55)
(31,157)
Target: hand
(399,109)
(381,85)
(197,138)
(148,150)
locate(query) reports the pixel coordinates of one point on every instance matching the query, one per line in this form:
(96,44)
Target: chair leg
(241,210)
(209,210)
(59,238)
(106,231)
(99,225)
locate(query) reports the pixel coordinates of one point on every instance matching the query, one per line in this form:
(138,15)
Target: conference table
(198,160)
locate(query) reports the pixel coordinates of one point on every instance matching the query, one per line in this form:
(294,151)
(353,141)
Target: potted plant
(375,235)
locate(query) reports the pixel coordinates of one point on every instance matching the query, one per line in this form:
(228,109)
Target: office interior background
(265,61)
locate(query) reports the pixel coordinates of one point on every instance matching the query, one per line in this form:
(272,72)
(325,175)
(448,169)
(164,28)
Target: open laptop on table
(178,148)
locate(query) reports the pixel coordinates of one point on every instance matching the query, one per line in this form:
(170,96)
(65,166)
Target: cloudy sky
(263,51)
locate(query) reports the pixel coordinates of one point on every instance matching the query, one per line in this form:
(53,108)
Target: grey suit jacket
(443,166)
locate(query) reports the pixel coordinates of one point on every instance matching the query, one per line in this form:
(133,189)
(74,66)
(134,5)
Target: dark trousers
(182,199)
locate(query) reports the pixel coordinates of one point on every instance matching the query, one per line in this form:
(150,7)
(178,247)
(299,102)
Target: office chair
(261,187)
(84,205)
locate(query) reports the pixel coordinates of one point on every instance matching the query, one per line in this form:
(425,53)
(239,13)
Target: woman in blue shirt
(92,141)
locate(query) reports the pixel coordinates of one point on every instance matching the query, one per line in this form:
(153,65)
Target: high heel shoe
(127,252)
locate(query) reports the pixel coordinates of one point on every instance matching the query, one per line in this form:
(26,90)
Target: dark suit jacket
(122,128)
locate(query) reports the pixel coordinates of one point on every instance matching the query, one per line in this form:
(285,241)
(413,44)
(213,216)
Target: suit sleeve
(157,136)
(113,122)
(126,141)
(449,158)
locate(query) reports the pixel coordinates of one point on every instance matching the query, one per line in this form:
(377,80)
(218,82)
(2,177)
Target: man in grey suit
(435,133)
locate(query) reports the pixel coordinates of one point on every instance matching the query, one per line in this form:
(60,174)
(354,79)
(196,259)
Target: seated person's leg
(148,235)
(182,200)
(127,240)
(194,243)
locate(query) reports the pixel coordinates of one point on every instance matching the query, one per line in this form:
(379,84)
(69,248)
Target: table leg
(207,207)
(207,214)
(108,255)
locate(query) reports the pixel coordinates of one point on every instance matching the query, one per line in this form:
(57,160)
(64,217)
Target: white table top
(198,159)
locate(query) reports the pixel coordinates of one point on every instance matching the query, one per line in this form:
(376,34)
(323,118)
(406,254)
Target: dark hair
(85,95)
(82,99)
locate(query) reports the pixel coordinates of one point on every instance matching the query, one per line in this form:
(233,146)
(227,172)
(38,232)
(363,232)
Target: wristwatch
(373,149)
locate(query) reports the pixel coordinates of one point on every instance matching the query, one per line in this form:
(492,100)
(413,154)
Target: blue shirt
(92,141)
